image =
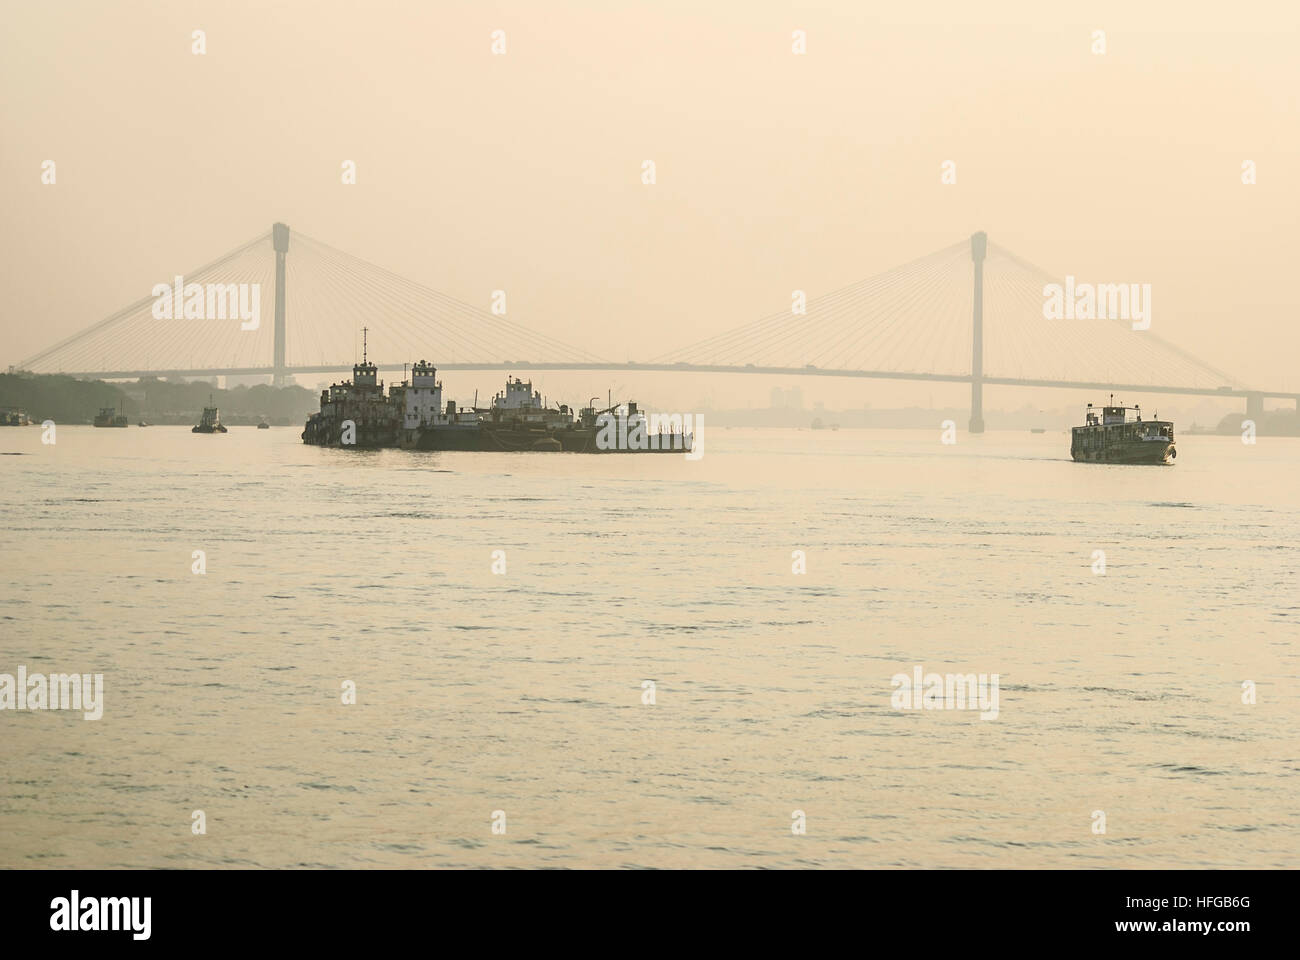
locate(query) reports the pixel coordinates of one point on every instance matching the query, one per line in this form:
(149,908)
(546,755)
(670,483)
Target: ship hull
(1133,452)
(584,441)
(365,440)
(432,439)
(505,440)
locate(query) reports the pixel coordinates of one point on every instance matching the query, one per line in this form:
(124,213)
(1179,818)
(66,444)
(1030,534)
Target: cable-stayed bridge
(970,313)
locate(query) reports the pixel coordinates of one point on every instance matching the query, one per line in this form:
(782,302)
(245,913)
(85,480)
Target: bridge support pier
(279,240)
(978,247)
(1255,406)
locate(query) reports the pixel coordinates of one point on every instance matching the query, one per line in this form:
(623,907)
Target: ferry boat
(211,421)
(109,417)
(1113,438)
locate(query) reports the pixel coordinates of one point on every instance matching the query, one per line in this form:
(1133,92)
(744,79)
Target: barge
(519,419)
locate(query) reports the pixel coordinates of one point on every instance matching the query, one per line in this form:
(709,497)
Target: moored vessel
(413,416)
(354,413)
(1112,437)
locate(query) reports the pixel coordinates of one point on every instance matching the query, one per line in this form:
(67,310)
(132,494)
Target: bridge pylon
(979,243)
(279,240)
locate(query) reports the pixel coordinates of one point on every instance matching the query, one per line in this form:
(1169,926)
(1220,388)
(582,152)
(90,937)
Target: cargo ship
(354,413)
(210,422)
(413,416)
(109,417)
(1113,438)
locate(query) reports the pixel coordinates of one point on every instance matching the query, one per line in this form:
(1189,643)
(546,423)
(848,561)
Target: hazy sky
(775,172)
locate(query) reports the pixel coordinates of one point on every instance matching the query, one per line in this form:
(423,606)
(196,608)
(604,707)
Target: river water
(522,691)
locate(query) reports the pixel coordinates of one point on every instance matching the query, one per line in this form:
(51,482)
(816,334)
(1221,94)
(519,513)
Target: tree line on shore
(68,400)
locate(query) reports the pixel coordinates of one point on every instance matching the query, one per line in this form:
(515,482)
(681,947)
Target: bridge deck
(717,368)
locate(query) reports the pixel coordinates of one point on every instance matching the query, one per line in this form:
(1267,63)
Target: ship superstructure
(520,405)
(426,424)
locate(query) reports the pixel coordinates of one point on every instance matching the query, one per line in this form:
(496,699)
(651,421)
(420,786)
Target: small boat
(109,417)
(1037,429)
(264,425)
(144,423)
(211,422)
(1113,438)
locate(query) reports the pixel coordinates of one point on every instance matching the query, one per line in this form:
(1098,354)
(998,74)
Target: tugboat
(211,422)
(1113,438)
(109,417)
